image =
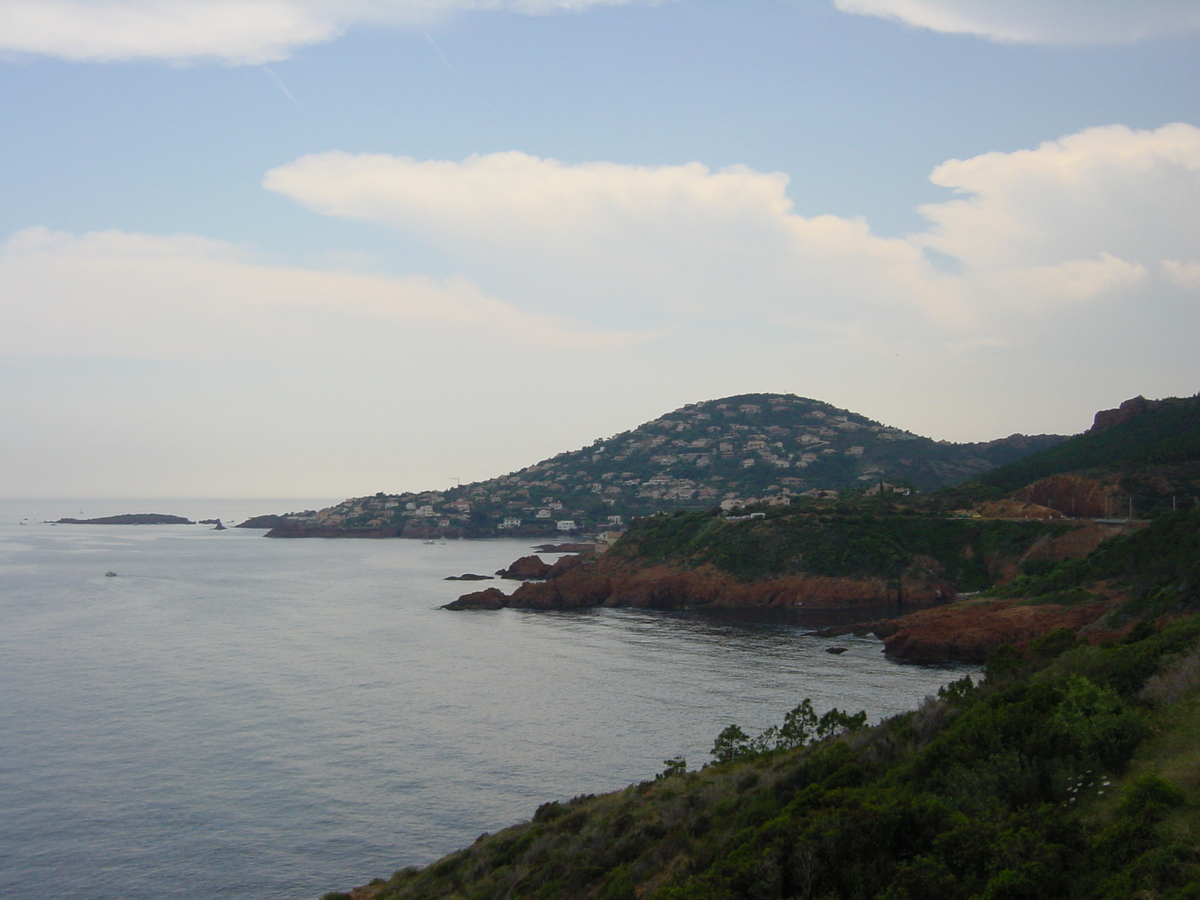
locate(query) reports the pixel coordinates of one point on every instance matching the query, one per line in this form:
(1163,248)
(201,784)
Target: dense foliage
(1070,774)
(857,543)
(1169,433)
(1158,566)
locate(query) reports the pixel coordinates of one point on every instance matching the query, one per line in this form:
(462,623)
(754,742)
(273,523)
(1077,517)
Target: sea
(229,716)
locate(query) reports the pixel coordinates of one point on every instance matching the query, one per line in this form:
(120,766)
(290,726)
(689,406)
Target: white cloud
(1075,218)
(237,32)
(139,296)
(1039,21)
(601,238)
(1088,216)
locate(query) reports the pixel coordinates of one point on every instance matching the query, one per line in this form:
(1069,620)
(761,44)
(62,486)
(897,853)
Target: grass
(1173,754)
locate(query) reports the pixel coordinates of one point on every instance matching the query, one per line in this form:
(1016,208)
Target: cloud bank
(137,296)
(602,240)
(1039,21)
(601,257)
(1096,214)
(136,364)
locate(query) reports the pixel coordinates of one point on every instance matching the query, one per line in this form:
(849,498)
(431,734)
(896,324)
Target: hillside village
(750,449)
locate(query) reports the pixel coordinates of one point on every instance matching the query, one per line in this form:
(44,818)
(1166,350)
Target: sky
(290,248)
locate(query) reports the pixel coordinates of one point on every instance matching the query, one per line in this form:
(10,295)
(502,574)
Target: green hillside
(736,450)
(1166,435)
(856,542)
(1067,775)
(1157,568)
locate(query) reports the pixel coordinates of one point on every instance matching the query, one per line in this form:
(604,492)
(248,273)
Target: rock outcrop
(969,631)
(1072,495)
(1135,406)
(490,598)
(1077,542)
(574,583)
(1009,508)
(965,631)
(293,530)
(525,568)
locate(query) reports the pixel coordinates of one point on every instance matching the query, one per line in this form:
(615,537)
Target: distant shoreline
(129,519)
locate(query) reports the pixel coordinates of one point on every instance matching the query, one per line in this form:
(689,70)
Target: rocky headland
(932,621)
(970,630)
(575,585)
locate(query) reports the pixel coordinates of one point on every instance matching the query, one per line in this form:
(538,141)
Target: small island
(129,519)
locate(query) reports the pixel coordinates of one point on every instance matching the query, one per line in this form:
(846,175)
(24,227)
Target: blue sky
(296,248)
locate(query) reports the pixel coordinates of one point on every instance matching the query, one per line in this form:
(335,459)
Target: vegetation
(1168,434)
(1067,774)
(853,541)
(130,519)
(1158,567)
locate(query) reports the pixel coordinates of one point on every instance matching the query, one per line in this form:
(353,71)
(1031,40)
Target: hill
(1138,459)
(732,452)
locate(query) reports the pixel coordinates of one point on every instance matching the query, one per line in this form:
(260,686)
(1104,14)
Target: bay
(236,717)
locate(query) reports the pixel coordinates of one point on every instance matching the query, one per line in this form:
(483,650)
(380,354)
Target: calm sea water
(236,717)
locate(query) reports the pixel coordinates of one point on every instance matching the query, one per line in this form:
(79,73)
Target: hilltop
(730,452)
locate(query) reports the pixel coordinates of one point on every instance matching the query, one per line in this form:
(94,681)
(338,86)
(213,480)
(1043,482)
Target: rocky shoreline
(575,582)
(969,631)
(932,624)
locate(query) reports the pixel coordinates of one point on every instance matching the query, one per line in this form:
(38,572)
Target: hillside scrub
(1158,567)
(857,543)
(1166,434)
(1056,777)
